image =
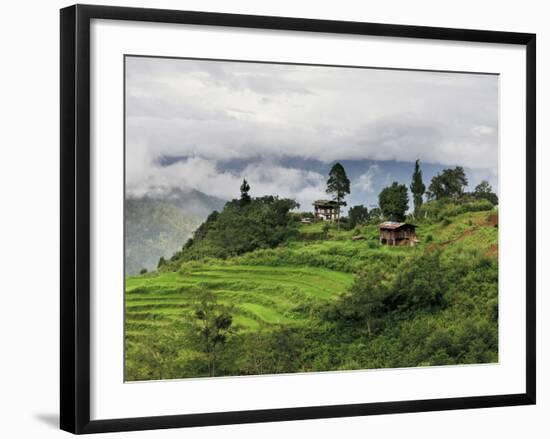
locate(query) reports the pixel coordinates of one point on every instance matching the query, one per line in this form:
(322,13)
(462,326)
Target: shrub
(446,207)
(373,244)
(417,285)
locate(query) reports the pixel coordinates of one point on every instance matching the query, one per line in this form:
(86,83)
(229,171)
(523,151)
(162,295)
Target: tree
(211,327)
(162,262)
(394,201)
(245,198)
(450,183)
(357,215)
(363,306)
(375,215)
(484,191)
(338,185)
(417,188)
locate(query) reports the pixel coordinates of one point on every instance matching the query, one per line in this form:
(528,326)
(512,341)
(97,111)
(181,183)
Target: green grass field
(263,296)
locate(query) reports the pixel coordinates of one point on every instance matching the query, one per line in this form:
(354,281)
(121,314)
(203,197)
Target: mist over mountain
(159,223)
(192,202)
(301,178)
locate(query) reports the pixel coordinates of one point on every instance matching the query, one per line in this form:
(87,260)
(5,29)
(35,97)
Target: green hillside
(322,301)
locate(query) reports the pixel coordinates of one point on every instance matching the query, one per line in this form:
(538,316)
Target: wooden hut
(395,233)
(326,210)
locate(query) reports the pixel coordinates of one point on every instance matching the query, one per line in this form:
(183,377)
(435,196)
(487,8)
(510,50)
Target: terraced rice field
(262,296)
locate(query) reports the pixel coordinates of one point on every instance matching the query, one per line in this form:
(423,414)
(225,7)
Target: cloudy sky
(204,125)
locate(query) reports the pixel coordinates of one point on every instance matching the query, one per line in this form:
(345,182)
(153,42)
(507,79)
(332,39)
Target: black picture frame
(75,217)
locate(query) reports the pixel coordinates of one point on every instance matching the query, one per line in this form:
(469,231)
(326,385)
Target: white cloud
(482,130)
(210,112)
(265,178)
(365,181)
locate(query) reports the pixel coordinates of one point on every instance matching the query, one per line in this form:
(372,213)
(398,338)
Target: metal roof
(392,225)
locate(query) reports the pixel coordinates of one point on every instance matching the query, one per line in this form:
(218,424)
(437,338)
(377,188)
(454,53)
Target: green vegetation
(484,191)
(338,185)
(243,225)
(161,307)
(317,304)
(448,184)
(357,215)
(254,291)
(245,197)
(394,201)
(417,188)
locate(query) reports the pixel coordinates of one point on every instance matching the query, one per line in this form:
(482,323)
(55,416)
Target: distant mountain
(159,225)
(192,202)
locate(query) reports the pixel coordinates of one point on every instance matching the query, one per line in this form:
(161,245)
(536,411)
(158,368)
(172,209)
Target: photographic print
(289,218)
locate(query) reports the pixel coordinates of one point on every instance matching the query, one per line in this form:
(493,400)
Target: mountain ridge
(158,224)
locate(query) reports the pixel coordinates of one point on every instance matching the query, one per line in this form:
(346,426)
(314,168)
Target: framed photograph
(268,218)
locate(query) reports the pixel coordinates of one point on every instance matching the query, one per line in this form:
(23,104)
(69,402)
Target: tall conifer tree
(245,198)
(417,188)
(338,185)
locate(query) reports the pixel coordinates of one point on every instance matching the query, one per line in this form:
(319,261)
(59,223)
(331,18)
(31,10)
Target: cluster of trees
(245,224)
(448,184)
(393,201)
(417,286)
(446,187)
(447,305)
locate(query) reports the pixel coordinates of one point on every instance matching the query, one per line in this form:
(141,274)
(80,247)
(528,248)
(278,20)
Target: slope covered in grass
(294,306)
(262,296)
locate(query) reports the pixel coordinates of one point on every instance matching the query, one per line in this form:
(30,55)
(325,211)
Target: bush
(418,284)
(446,208)
(373,244)
(143,271)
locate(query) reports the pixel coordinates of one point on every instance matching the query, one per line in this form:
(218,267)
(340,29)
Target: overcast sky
(207,124)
